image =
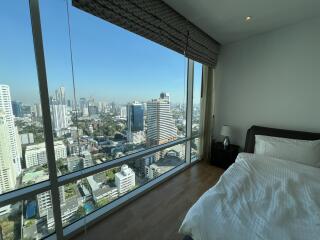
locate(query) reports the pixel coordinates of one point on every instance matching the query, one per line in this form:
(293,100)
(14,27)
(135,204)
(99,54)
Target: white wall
(272,79)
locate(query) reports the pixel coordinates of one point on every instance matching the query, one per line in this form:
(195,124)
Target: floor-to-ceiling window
(118,112)
(196,110)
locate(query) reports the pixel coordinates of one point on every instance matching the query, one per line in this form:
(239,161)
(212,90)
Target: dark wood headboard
(274,132)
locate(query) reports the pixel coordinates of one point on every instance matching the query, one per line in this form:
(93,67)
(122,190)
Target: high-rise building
(58,109)
(93,110)
(125,179)
(161,127)
(26,110)
(17,109)
(61,96)
(7,168)
(38,110)
(123,112)
(36,154)
(69,103)
(6,108)
(135,122)
(83,104)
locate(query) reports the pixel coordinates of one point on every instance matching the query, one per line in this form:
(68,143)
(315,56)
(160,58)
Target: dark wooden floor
(159,213)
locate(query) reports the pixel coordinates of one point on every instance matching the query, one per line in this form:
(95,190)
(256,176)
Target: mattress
(258,197)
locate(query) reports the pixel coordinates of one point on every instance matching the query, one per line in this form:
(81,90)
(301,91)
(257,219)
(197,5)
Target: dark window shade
(155,20)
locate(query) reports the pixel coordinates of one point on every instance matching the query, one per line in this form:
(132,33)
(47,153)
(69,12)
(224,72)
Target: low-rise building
(152,171)
(105,192)
(125,179)
(36,154)
(68,210)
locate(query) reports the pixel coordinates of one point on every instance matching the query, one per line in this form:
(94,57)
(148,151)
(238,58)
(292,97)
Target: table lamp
(226,132)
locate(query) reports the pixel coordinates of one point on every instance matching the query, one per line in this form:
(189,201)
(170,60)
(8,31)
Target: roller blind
(157,21)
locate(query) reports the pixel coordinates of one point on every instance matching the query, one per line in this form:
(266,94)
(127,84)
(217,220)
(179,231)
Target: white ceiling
(224,19)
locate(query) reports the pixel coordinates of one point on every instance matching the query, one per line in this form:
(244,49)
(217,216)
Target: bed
(262,196)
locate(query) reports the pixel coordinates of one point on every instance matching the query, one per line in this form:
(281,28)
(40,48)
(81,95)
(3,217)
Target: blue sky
(110,63)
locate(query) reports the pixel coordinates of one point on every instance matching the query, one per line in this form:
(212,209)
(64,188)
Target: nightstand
(223,158)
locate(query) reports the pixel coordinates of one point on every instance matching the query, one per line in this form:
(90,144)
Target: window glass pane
(26,219)
(195,154)
(196,98)
(88,194)
(23,158)
(129,92)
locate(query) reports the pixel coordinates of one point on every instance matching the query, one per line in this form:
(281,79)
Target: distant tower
(135,120)
(7,168)
(161,127)
(17,108)
(83,104)
(58,109)
(38,110)
(61,96)
(6,108)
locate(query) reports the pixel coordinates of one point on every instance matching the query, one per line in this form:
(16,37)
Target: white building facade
(125,180)
(45,202)
(6,108)
(7,168)
(36,154)
(161,127)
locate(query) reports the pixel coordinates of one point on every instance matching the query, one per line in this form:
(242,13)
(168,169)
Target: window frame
(54,181)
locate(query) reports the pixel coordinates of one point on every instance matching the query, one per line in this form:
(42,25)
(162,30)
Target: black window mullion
(44,99)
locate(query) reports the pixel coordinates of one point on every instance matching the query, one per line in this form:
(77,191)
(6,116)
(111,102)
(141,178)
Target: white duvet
(259,197)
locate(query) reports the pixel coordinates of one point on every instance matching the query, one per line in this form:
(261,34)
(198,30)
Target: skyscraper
(58,109)
(123,112)
(38,110)
(6,108)
(7,169)
(61,96)
(17,109)
(161,127)
(135,121)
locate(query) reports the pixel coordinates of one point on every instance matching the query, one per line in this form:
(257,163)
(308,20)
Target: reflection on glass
(88,194)
(196,98)
(26,219)
(23,159)
(130,92)
(195,149)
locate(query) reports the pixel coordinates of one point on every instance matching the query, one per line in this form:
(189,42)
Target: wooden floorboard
(159,213)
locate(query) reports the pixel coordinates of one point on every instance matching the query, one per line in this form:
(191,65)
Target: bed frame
(274,132)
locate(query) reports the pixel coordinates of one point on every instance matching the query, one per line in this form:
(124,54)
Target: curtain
(207,112)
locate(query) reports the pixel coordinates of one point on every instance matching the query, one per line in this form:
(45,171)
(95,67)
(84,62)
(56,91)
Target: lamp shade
(225,131)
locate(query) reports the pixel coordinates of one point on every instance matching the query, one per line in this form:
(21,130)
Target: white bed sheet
(259,197)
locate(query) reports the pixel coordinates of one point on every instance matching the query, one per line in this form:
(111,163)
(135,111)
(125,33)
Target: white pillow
(301,151)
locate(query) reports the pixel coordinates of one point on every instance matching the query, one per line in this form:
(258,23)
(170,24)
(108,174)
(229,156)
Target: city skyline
(119,132)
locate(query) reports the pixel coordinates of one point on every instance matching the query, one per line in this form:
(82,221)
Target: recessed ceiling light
(248,18)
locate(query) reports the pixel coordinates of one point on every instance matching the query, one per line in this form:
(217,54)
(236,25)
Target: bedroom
(241,154)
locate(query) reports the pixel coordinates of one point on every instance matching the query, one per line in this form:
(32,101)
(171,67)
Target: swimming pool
(88,207)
